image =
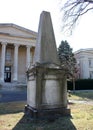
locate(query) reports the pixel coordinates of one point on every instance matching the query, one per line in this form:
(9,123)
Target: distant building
(17,46)
(84,59)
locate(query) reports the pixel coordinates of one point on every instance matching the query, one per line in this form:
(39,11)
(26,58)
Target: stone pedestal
(46,80)
(46,92)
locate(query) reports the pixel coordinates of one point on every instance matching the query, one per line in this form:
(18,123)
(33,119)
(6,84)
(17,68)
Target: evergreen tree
(68,61)
(66,57)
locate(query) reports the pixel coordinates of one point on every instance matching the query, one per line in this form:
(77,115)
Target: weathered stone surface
(31,93)
(47,87)
(46,51)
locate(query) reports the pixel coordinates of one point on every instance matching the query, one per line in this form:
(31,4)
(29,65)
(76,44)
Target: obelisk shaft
(46,50)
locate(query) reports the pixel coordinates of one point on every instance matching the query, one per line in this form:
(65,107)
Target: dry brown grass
(12,118)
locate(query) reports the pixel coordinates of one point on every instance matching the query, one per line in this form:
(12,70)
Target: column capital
(29,46)
(16,45)
(4,43)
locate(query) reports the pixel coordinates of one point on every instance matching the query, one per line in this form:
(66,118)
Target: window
(91,62)
(91,74)
(78,63)
(7,68)
(8,55)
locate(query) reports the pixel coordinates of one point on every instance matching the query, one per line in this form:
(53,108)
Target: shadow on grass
(62,123)
(12,107)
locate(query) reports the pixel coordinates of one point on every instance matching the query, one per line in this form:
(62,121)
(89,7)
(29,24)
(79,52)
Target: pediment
(15,30)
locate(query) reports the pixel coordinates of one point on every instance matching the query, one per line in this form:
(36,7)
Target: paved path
(9,96)
(89,102)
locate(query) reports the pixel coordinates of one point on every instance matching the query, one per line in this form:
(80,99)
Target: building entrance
(7,74)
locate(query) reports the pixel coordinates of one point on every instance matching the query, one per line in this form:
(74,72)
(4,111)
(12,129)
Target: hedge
(81,84)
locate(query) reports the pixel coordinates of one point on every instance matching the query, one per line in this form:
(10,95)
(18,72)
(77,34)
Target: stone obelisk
(46,85)
(46,50)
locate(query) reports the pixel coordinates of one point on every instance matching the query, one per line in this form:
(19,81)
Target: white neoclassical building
(84,59)
(17,46)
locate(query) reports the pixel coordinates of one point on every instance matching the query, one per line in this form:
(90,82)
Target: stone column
(85,68)
(15,78)
(3,60)
(28,57)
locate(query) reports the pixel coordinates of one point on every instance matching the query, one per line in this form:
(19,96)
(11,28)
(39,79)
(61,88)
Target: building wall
(84,59)
(22,64)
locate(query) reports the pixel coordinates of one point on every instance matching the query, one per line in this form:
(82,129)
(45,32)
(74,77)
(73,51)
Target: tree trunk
(73,84)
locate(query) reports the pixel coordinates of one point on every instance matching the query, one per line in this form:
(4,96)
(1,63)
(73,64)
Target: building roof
(13,30)
(83,50)
(17,27)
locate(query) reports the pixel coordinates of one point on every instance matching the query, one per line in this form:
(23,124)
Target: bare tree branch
(73,10)
(86,11)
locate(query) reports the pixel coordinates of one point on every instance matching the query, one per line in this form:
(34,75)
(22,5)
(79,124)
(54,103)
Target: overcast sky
(26,13)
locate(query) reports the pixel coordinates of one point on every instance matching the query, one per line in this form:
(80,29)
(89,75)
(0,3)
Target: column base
(50,114)
(2,80)
(15,81)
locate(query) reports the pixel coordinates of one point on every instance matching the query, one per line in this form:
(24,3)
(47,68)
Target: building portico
(17,46)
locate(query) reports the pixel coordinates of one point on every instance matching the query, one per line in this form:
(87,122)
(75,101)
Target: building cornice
(17,40)
(19,36)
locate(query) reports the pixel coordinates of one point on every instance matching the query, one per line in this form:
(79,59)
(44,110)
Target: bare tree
(73,10)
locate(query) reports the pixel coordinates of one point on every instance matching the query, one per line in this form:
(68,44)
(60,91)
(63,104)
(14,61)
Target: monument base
(50,114)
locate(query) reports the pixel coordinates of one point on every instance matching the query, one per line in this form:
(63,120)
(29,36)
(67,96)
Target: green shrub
(81,84)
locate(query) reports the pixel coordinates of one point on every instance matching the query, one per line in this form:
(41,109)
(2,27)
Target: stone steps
(12,86)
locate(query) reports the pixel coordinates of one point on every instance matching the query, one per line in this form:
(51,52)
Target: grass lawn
(12,117)
(82,95)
